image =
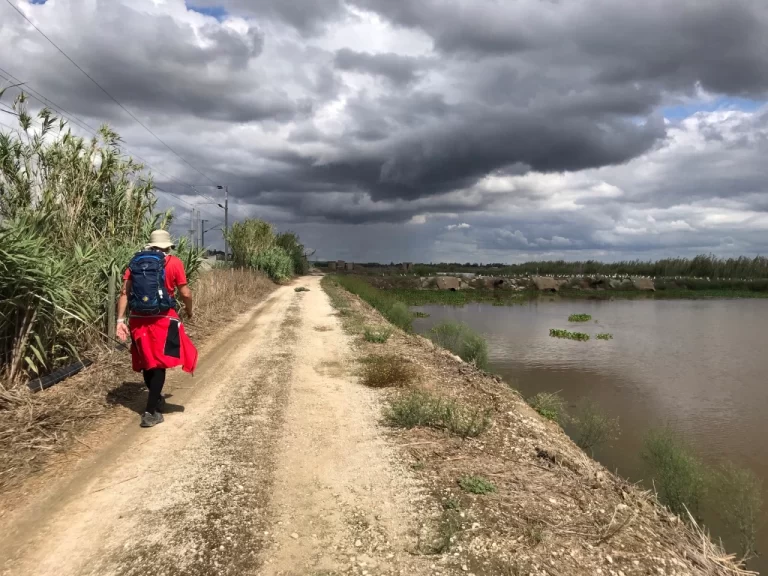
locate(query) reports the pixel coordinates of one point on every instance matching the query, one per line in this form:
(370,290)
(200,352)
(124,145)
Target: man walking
(158,340)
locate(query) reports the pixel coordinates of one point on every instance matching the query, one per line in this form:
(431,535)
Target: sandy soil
(272,462)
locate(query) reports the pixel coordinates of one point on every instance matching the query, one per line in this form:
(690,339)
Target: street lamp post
(226,220)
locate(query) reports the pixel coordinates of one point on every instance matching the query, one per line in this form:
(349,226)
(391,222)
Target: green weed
(451,504)
(738,492)
(301,289)
(557,333)
(678,475)
(377,335)
(419,314)
(579,318)
(462,341)
(476,485)
(550,405)
(594,429)
(604,336)
(423,409)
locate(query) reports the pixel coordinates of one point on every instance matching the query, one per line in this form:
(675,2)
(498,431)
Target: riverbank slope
(547,508)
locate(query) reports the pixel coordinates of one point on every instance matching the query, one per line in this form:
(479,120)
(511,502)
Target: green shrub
(399,315)
(579,318)
(255,244)
(423,409)
(476,485)
(550,405)
(377,335)
(678,475)
(738,493)
(274,262)
(387,371)
(593,428)
(462,341)
(289,241)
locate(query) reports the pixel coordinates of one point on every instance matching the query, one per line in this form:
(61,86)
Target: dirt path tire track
(276,467)
(342,500)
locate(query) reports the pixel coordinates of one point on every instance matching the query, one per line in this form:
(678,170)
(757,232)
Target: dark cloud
(398,69)
(720,44)
(538,124)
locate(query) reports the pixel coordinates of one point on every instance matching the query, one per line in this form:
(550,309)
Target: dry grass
(35,426)
(555,510)
(223,293)
(387,371)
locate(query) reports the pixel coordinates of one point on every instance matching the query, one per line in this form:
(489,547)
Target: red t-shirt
(174,274)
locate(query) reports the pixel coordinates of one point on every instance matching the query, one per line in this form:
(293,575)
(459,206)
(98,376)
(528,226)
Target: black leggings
(154,379)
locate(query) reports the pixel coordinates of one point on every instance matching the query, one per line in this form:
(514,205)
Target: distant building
(349,266)
(340,265)
(331,265)
(407,266)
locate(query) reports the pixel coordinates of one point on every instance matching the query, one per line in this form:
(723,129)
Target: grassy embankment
(489,462)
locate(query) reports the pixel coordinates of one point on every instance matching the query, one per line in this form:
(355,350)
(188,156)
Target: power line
(76,65)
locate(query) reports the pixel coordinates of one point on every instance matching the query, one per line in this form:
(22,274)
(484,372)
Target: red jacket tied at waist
(161,342)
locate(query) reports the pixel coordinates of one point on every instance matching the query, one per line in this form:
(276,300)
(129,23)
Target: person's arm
(122,306)
(182,288)
(186,297)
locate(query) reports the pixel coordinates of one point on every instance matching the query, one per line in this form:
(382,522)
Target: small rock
(358,543)
(295,536)
(608,559)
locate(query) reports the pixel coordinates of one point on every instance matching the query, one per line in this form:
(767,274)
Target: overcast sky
(432,130)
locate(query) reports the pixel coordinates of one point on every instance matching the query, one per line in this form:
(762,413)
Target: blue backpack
(148,294)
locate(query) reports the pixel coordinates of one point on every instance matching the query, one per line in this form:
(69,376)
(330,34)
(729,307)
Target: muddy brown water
(699,367)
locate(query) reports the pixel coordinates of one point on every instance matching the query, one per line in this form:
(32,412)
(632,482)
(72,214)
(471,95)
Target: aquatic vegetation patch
(558,333)
(579,318)
(604,336)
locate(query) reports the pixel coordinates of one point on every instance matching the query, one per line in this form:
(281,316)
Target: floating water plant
(579,318)
(557,333)
(604,336)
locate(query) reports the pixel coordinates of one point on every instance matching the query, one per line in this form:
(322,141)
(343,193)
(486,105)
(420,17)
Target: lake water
(699,367)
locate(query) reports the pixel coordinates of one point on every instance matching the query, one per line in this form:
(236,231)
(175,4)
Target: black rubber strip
(58,375)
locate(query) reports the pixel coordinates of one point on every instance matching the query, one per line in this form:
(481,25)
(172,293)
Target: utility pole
(197,229)
(226,220)
(202,233)
(192,227)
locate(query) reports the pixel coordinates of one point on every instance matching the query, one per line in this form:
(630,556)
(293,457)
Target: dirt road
(272,462)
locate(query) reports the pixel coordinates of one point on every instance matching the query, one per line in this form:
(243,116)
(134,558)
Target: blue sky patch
(218,12)
(725,103)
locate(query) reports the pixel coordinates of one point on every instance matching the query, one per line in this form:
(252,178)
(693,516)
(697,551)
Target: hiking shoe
(161,405)
(148,420)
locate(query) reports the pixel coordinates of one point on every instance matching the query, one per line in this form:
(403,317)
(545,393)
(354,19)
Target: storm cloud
(478,130)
